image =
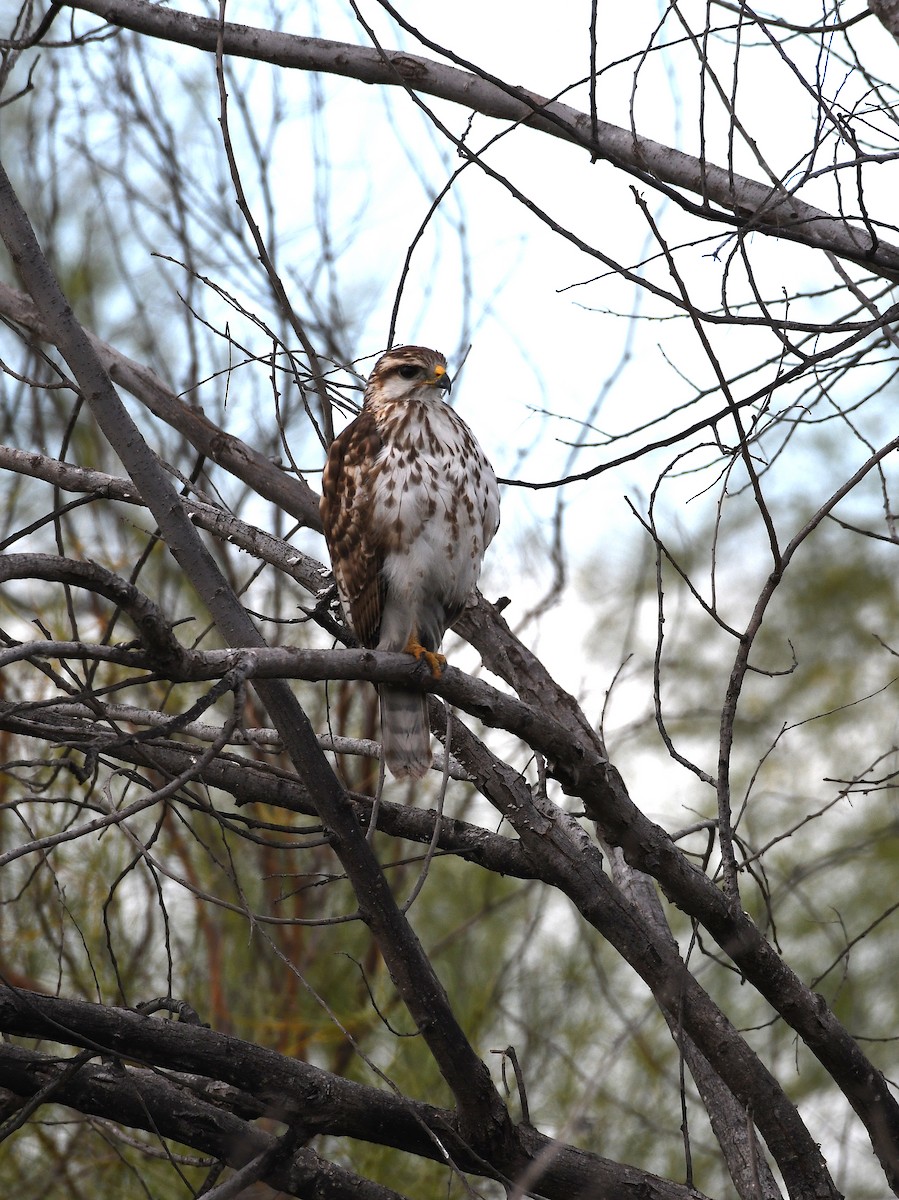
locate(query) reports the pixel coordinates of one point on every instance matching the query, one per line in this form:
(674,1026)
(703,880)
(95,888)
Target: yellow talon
(435,661)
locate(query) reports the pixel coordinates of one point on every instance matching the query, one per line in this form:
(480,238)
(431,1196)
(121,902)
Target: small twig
(438,823)
(255,1170)
(510,1055)
(326,434)
(186,1015)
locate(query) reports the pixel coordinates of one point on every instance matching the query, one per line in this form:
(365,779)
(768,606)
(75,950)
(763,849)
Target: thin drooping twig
(275,282)
(725,832)
(258,1168)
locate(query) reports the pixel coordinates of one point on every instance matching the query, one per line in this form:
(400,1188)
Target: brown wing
(346,518)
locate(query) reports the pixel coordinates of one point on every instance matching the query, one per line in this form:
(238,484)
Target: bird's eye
(409,372)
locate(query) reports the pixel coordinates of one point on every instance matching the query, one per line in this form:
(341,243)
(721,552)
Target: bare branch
(289,1089)
(145,1100)
(754,205)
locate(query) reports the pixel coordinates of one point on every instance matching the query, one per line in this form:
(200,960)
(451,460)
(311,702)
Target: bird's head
(408,372)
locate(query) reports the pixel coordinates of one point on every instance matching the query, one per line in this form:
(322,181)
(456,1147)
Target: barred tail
(405,732)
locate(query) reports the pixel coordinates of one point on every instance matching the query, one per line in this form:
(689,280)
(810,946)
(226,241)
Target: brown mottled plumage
(409,505)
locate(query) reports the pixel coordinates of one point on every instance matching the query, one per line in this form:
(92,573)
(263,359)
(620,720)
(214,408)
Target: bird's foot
(436,662)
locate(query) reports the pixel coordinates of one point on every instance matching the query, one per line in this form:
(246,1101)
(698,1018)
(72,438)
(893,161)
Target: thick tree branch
(295,1092)
(565,858)
(146,1100)
(557,730)
(754,205)
(585,771)
(731,1121)
(154,629)
(555,739)
(552,845)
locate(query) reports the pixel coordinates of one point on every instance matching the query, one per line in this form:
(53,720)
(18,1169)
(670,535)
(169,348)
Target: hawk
(409,505)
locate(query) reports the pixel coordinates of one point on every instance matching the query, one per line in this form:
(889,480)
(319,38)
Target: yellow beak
(441,379)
